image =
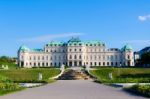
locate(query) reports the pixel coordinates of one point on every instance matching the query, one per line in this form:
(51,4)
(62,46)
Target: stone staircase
(74,75)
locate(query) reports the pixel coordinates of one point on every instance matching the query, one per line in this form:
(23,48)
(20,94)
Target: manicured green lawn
(29,75)
(122,75)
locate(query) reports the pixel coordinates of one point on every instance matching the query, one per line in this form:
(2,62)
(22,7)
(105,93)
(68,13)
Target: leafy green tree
(144,60)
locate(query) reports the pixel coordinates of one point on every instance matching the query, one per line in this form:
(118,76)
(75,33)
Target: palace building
(75,53)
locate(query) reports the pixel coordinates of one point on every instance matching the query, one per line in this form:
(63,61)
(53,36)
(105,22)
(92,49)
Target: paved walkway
(72,89)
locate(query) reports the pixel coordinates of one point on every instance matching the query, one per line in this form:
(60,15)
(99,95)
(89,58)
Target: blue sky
(35,22)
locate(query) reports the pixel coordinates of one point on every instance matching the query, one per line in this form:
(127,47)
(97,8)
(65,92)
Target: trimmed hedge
(9,87)
(143,90)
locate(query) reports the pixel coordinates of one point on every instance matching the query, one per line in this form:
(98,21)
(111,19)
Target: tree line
(144,60)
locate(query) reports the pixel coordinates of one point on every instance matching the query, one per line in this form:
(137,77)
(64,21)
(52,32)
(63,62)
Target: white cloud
(49,37)
(144,17)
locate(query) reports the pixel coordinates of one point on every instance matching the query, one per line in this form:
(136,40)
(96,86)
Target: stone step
(74,75)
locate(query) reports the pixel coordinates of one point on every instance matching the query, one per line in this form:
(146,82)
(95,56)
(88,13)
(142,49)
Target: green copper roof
(76,42)
(37,50)
(94,43)
(54,43)
(127,47)
(24,48)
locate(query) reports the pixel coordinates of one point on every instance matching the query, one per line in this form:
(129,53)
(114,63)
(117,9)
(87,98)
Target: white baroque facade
(75,53)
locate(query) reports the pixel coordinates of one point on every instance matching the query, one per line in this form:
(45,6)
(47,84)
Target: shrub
(9,87)
(140,89)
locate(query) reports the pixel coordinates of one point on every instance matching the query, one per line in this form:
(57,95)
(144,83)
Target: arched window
(34,64)
(128,57)
(80,57)
(55,57)
(43,64)
(75,50)
(107,63)
(46,57)
(38,64)
(95,57)
(75,57)
(70,57)
(46,64)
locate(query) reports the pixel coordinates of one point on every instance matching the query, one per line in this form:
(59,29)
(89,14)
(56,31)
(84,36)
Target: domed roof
(74,40)
(24,48)
(127,47)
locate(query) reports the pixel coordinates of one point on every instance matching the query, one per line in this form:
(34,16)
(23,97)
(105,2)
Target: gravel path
(72,89)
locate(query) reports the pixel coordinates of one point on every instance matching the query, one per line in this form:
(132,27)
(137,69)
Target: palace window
(59,57)
(42,64)
(91,64)
(103,57)
(75,57)
(34,64)
(128,57)
(95,64)
(99,57)
(107,57)
(55,64)
(70,57)
(87,57)
(80,57)
(38,64)
(30,58)
(112,57)
(22,57)
(75,50)
(34,57)
(91,57)
(55,57)
(46,64)
(116,64)
(70,50)
(103,63)
(95,57)
(99,63)
(43,58)
(116,57)
(46,57)
(107,63)
(112,64)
